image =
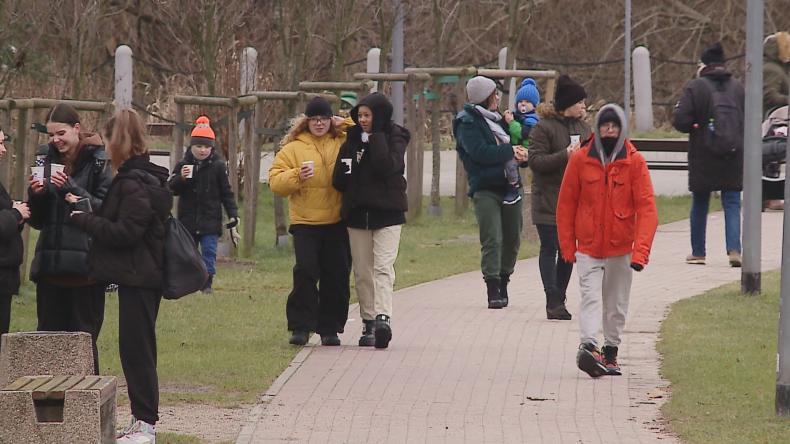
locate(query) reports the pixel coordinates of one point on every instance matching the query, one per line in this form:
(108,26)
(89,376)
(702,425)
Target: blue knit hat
(528,91)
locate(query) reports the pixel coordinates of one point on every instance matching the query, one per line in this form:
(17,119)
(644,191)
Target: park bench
(663,146)
(58,409)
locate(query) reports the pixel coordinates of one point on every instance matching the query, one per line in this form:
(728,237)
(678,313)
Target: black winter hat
(609,115)
(568,93)
(712,54)
(318,107)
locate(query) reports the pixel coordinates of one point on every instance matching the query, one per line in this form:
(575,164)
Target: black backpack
(723,132)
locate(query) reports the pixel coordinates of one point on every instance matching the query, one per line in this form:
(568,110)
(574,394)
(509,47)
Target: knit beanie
(318,107)
(202,134)
(479,88)
(712,54)
(568,93)
(609,115)
(528,91)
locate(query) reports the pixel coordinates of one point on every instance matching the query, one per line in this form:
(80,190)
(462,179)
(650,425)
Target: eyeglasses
(323,120)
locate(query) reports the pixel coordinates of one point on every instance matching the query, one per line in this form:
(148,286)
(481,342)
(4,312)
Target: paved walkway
(458,372)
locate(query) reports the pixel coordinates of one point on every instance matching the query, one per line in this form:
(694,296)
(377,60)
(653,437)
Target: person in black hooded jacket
(369,172)
(128,249)
(67,299)
(12,218)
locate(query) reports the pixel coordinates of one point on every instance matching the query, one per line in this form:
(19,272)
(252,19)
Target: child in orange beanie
(201,181)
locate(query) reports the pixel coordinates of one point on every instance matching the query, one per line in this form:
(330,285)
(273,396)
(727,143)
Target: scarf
(491,119)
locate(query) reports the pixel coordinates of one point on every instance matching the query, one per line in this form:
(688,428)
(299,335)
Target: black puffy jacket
(62,249)
(202,197)
(10,245)
(128,233)
(374,192)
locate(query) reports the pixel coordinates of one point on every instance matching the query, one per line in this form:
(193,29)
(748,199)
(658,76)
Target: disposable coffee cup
(38,173)
(84,205)
(311,165)
(347,161)
(54,168)
(190,170)
(575,139)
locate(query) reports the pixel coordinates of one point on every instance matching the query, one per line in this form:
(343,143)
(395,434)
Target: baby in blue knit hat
(520,121)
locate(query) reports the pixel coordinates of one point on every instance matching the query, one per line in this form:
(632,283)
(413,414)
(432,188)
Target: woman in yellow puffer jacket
(302,172)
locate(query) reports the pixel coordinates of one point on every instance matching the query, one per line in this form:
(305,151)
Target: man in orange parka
(606,220)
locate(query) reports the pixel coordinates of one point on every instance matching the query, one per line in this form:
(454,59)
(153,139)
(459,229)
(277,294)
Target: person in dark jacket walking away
(709,168)
(557,135)
(776,87)
(484,148)
(369,172)
(128,249)
(200,180)
(13,215)
(75,166)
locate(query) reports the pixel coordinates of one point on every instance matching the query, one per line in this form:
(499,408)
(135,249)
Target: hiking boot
(299,337)
(590,360)
(555,308)
(138,432)
(511,195)
(383,331)
(735,259)
(331,339)
(695,260)
(494,298)
(504,279)
(367,339)
(610,360)
(207,288)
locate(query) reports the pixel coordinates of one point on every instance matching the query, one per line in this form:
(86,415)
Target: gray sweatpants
(605,291)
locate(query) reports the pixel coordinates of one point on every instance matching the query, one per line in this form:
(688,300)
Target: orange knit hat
(202,134)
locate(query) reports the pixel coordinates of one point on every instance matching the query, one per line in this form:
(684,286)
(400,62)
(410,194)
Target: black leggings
(554,271)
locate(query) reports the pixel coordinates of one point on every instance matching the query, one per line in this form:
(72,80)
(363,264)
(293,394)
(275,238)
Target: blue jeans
(208,249)
(731,202)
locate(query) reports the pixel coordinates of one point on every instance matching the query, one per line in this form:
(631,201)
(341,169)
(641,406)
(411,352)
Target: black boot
(555,307)
(207,288)
(610,360)
(367,339)
(299,337)
(504,279)
(494,298)
(383,331)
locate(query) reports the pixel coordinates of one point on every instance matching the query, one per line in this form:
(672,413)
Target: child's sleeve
(514,128)
(226,193)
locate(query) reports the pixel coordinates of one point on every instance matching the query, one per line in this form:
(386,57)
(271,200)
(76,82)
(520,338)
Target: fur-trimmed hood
(777,48)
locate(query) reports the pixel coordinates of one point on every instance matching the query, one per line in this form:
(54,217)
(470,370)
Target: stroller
(774,131)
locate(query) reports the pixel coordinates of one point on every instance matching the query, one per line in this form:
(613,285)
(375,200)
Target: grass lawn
(719,353)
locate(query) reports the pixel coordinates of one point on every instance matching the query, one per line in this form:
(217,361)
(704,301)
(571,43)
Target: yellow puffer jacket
(313,201)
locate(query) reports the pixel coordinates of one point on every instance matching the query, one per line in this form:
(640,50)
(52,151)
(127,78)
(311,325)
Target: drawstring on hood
(608,148)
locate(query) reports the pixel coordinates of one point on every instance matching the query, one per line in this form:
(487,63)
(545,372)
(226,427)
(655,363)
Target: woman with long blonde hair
(302,172)
(128,249)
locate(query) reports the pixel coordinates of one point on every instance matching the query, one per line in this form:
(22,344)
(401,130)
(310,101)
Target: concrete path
(458,372)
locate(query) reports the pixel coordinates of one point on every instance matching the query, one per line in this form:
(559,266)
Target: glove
(235,237)
(637,267)
(232,222)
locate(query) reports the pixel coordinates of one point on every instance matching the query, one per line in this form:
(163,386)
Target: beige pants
(373,254)
(604,282)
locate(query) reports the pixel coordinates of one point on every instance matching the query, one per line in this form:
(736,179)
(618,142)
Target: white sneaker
(138,432)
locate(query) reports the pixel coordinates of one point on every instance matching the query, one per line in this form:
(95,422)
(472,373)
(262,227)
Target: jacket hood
(546,111)
(716,72)
(155,181)
(381,107)
(777,48)
(618,147)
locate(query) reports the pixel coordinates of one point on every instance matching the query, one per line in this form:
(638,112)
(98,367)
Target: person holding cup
(302,172)
(74,166)
(560,132)
(13,215)
(201,181)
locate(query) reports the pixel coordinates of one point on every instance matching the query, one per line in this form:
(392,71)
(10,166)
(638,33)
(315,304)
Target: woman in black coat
(67,299)
(12,217)
(128,249)
(369,172)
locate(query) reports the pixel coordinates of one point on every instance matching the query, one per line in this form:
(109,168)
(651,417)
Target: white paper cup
(190,170)
(310,164)
(55,168)
(38,173)
(347,161)
(575,139)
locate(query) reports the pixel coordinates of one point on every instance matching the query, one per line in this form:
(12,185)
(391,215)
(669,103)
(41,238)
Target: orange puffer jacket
(606,211)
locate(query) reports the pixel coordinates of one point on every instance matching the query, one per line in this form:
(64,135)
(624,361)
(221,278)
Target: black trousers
(554,271)
(5,314)
(71,309)
(137,311)
(319,299)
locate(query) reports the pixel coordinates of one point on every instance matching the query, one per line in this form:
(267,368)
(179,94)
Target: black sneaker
(383,332)
(299,337)
(332,339)
(610,360)
(590,360)
(207,287)
(367,339)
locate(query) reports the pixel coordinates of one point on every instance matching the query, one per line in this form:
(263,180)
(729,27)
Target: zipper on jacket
(367,220)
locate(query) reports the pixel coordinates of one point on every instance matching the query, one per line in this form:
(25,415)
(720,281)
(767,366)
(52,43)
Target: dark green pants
(500,233)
